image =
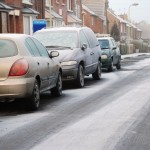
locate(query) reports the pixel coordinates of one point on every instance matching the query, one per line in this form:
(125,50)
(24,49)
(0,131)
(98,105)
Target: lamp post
(134,4)
(129,20)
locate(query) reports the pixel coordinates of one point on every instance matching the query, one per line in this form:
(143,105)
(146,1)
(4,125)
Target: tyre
(110,68)
(34,100)
(57,91)
(80,77)
(97,74)
(118,66)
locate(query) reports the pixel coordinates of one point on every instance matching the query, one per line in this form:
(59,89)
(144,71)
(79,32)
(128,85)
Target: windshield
(58,38)
(104,44)
(7,48)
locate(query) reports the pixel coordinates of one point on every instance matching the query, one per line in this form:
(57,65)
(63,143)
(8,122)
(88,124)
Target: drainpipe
(50,16)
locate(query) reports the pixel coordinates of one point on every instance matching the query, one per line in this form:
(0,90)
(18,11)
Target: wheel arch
(38,79)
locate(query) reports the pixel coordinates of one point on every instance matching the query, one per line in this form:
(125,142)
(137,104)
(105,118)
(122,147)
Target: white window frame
(29,2)
(47,3)
(69,5)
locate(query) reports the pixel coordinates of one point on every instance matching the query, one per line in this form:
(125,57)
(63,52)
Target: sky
(137,13)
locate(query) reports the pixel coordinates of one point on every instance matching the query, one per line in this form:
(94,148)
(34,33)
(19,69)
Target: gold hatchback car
(27,69)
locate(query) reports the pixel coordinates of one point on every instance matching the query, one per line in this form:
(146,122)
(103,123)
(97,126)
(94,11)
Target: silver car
(79,51)
(27,69)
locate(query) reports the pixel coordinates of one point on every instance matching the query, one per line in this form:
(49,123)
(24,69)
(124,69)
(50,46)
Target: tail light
(19,68)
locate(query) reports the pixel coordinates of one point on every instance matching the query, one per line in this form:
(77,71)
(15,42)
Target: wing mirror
(84,46)
(53,54)
(114,48)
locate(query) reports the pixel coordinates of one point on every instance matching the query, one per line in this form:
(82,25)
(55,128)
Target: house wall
(60,8)
(15,21)
(112,20)
(96,25)
(99,8)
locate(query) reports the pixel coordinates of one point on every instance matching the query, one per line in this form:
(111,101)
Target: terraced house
(99,8)
(64,12)
(17,15)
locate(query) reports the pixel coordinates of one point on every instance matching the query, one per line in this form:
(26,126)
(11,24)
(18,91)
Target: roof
(54,14)
(4,7)
(97,6)
(88,10)
(116,16)
(73,19)
(28,10)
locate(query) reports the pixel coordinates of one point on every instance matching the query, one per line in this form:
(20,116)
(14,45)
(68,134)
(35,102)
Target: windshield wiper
(56,46)
(104,47)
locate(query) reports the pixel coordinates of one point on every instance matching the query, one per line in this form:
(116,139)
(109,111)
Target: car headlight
(104,56)
(68,63)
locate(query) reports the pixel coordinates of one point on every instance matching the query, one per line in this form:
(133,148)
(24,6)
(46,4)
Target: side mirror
(53,54)
(84,46)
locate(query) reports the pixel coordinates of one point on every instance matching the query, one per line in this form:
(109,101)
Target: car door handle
(38,63)
(91,53)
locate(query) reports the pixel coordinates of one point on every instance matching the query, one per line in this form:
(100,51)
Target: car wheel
(118,66)
(34,100)
(57,91)
(110,68)
(97,74)
(80,77)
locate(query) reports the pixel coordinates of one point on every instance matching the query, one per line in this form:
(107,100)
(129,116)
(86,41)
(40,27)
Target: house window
(69,4)
(57,1)
(29,2)
(48,3)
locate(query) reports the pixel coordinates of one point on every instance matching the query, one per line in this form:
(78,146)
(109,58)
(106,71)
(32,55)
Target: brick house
(74,12)
(99,8)
(64,12)
(58,13)
(4,17)
(22,14)
(121,24)
(126,28)
(92,20)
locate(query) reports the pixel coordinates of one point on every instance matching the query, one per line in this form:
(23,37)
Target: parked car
(27,69)
(79,51)
(110,53)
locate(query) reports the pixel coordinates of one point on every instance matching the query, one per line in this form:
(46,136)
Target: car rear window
(7,48)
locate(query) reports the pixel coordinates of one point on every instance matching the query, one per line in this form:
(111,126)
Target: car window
(91,37)
(29,48)
(32,47)
(83,39)
(58,38)
(7,48)
(104,43)
(113,42)
(41,48)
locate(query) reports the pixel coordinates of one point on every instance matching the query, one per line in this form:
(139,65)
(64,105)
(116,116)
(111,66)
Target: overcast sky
(137,13)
